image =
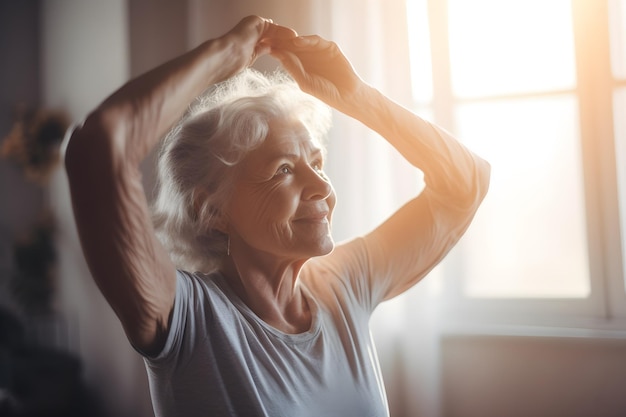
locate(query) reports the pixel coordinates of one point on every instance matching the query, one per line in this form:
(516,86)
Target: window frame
(605,307)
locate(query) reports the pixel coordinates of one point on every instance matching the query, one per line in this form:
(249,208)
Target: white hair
(198,156)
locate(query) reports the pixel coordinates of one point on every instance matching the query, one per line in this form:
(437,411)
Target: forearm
(134,118)
(321,69)
(449,167)
(416,237)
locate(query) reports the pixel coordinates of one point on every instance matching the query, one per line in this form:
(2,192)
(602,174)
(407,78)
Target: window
(539,89)
(617,13)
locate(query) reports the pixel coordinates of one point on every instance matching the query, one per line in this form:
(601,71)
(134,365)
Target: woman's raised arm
(417,236)
(129,265)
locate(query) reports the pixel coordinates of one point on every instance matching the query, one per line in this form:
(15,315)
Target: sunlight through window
(529,237)
(504,47)
(421,64)
(513,83)
(619,102)
(617,13)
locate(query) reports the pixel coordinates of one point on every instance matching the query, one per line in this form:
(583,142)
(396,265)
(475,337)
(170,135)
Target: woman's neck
(272,292)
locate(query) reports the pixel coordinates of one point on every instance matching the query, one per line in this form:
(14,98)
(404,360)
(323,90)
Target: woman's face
(282,202)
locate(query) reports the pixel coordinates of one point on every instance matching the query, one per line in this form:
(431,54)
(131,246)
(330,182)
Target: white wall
(493,376)
(21,201)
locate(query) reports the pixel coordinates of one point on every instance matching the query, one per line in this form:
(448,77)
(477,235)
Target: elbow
(75,151)
(483,178)
(475,190)
(92,145)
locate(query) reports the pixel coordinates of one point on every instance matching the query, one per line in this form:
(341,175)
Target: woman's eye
(317,166)
(284,170)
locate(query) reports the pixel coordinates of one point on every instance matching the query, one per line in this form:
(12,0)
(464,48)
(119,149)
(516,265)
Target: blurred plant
(33,278)
(34,141)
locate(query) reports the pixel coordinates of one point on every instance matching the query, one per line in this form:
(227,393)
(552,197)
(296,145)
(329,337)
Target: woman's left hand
(320,69)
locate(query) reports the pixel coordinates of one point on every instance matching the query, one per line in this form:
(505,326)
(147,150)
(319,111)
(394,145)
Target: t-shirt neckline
(221,281)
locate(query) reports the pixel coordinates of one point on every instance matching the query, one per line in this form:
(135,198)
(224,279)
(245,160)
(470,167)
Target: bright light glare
(617,13)
(619,106)
(529,237)
(419,38)
(503,47)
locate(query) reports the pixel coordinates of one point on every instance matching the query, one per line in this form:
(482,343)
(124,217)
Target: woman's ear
(199,197)
(200,211)
(221,221)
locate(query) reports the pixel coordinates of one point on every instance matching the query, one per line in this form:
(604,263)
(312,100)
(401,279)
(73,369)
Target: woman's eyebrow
(318,153)
(314,152)
(277,156)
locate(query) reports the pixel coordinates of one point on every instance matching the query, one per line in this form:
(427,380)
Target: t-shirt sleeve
(353,265)
(182,336)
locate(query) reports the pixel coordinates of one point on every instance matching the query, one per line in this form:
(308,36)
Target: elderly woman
(236,294)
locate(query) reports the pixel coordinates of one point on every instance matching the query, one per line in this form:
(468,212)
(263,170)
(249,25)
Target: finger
(274,31)
(253,22)
(309,41)
(313,42)
(291,63)
(297,44)
(261,49)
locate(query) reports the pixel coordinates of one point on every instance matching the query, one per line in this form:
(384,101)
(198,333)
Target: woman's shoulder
(347,263)
(197,291)
(348,258)
(347,272)
(343,254)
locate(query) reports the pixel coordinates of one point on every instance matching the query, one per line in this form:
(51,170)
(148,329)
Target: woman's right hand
(249,40)
(321,69)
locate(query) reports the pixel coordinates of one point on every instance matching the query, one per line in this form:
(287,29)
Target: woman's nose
(318,186)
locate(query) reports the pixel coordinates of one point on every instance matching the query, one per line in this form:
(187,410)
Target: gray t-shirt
(220,359)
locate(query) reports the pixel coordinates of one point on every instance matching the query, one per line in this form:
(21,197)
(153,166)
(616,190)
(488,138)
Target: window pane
(419,42)
(504,46)
(617,13)
(619,106)
(529,237)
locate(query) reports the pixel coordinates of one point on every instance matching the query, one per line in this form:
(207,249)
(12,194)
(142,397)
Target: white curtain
(372,181)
